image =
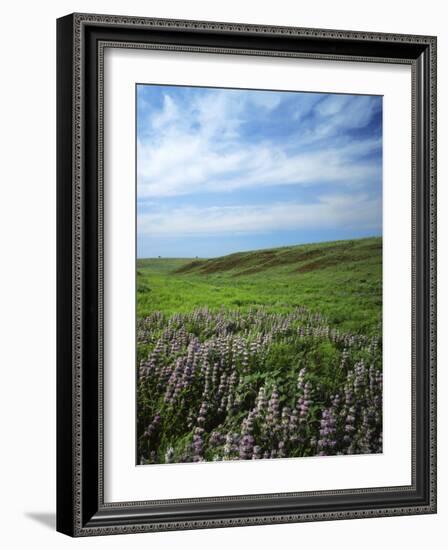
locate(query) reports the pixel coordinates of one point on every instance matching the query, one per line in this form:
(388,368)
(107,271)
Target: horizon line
(254,249)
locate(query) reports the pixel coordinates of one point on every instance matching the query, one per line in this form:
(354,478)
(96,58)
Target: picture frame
(81,506)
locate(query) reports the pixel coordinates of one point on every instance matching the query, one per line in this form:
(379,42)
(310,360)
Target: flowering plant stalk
(235,385)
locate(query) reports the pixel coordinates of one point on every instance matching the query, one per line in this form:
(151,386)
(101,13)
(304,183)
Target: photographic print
(258,274)
(246,282)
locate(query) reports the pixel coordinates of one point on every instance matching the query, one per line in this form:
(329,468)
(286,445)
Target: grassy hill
(340,279)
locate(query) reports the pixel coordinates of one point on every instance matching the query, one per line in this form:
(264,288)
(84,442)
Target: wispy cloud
(351,211)
(201,146)
(192,164)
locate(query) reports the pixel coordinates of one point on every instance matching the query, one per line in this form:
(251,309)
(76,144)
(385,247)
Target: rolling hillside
(340,279)
(292,259)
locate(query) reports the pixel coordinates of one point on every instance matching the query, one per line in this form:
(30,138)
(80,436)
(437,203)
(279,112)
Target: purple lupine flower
(256,452)
(261,402)
(246,447)
(194,372)
(216,439)
(202,413)
(285,419)
(231,445)
(281,451)
(198,445)
(169,455)
(273,407)
(327,442)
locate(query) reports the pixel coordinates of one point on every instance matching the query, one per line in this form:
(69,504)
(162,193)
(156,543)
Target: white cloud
(169,114)
(335,211)
(191,164)
(339,113)
(266,100)
(198,147)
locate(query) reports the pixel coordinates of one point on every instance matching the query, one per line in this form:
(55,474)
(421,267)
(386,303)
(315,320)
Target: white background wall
(27,273)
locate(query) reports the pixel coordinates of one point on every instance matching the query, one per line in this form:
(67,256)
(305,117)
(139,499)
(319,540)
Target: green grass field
(264,354)
(340,280)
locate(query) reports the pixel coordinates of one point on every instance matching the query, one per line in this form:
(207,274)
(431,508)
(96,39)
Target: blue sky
(224,170)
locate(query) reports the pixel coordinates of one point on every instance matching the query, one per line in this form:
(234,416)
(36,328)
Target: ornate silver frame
(82,39)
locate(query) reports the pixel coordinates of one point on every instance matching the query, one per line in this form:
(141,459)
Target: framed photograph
(246,274)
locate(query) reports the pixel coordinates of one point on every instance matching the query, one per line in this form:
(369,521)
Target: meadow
(261,354)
